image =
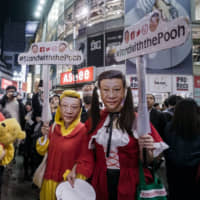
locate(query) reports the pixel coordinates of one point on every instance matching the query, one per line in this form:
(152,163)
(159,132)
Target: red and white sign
(182,83)
(5,83)
(24,87)
(84,75)
(197,81)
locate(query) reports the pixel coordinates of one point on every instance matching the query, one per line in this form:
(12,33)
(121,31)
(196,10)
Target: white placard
(46,53)
(152,34)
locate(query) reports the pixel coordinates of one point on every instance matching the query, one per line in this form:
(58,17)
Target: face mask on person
(87,99)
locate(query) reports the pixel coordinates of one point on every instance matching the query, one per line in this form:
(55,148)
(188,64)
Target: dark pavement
(14,187)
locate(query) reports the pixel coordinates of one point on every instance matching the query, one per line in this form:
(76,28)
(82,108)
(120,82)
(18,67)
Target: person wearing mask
(65,141)
(113,137)
(87,100)
(182,134)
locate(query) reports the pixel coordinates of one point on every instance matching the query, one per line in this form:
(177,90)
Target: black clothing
(84,115)
(112,180)
(182,160)
(158,120)
(36,106)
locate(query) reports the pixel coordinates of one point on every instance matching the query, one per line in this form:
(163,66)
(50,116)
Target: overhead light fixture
(42,2)
(37,14)
(39,8)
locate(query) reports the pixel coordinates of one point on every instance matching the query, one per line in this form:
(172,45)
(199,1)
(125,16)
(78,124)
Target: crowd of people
(94,137)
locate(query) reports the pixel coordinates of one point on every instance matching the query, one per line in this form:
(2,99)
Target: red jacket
(64,152)
(129,172)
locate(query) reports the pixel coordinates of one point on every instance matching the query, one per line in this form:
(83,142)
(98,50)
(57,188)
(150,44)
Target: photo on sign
(173,60)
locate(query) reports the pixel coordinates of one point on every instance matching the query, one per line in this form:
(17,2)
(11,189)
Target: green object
(153,191)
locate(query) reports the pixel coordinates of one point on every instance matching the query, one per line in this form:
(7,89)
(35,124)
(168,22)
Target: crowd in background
(177,122)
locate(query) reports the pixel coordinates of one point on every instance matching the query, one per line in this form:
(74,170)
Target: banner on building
(177,60)
(133,82)
(83,75)
(159,83)
(5,83)
(197,89)
(182,84)
(96,51)
(113,39)
(81,45)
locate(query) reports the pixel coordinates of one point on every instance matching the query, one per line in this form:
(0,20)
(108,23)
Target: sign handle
(46,112)
(143,125)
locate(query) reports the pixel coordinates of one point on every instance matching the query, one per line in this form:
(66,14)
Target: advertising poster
(113,39)
(183,84)
(133,82)
(197,89)
(81,45)
(95,47)
(176,60)
(84,75)
(159,83)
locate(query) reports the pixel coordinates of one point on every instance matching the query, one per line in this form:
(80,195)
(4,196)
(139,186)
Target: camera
(14,94)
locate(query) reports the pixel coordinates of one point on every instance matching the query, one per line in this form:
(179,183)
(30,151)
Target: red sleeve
(85,163)
(154,133)
(1,117)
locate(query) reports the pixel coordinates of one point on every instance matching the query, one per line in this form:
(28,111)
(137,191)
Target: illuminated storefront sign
(83,75)
(5,83)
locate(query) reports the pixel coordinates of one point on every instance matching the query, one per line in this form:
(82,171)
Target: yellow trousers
(48,190)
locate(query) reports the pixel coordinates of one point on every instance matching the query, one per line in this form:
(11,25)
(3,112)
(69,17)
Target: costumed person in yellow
(66,143)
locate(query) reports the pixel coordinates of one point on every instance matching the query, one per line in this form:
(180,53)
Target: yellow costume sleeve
(9,154)
(42,148)
(77,175)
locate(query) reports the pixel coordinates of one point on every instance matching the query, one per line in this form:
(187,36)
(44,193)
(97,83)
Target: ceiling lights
(40,8)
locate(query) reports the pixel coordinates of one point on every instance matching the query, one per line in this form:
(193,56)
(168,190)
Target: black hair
(127,116)
(11,87)
(166,103)
(186,119)
(40,83)
(174,99)
(28,103)
(156,104)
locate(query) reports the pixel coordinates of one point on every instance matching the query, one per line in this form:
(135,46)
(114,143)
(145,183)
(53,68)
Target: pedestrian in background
(182,134)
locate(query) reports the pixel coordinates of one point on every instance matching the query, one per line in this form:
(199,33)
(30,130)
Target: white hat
(82,190)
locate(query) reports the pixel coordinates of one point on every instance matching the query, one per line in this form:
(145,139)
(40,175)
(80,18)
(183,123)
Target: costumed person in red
(113,138)
(67,140)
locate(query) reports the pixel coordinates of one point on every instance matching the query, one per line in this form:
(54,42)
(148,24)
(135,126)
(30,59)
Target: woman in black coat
(182,134)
